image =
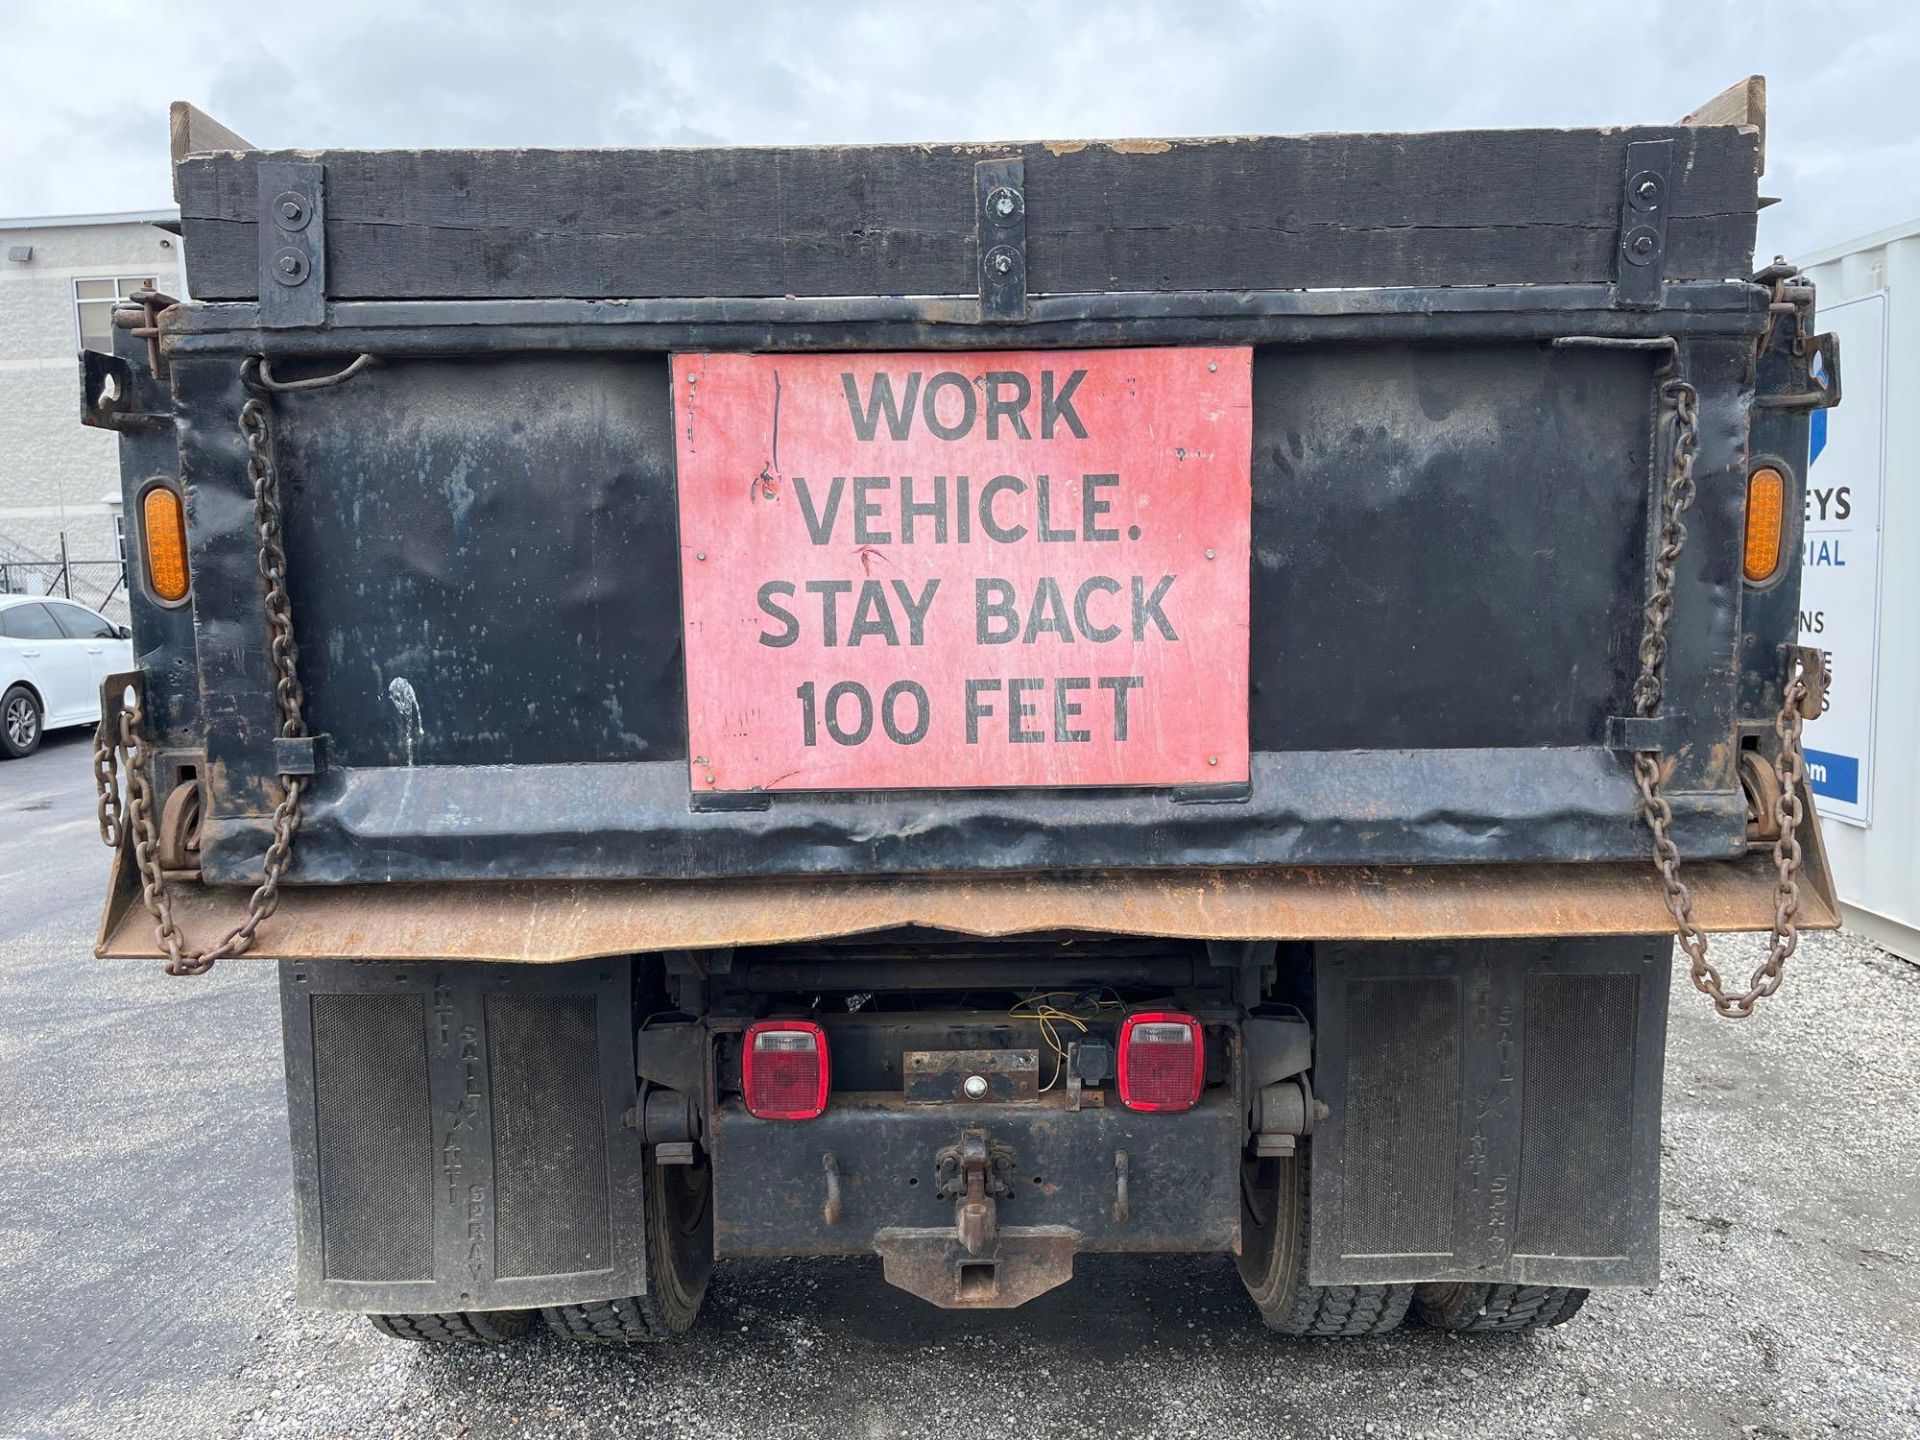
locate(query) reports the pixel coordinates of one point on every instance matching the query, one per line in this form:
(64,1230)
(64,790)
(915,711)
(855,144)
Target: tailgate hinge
(107,394)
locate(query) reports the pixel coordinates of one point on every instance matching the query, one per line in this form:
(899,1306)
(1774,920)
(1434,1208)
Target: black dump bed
(1457,351)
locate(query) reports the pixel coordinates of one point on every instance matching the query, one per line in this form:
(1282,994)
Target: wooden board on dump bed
(1272,213)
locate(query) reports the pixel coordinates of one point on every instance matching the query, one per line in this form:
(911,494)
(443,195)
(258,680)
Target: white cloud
(85,104)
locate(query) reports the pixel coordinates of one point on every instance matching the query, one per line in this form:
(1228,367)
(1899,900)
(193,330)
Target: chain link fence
(98,584)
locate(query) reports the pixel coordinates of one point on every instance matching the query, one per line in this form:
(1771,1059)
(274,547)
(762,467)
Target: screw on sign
(992,569)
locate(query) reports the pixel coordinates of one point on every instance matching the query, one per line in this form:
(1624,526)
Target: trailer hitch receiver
(978,1263)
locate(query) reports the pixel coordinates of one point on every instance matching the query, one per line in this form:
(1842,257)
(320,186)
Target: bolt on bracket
(1000,215)
(1646,197)
(293,244)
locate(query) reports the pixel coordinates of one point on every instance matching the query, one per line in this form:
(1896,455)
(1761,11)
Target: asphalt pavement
(146,1251)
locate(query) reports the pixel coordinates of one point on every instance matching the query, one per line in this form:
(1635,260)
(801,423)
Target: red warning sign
(929,570)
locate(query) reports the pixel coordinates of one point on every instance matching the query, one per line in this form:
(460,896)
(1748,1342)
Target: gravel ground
(146,1259)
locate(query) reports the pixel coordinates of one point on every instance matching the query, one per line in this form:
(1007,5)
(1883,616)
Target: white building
(60,276)
(1860,589)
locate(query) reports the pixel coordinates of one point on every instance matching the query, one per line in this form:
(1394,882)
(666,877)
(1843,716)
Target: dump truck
(969,705)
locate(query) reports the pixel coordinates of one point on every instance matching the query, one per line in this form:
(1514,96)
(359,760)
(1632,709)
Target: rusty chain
(1788,766)
(128,749)
(106,784)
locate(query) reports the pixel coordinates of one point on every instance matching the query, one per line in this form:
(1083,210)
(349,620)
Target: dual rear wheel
(1275,1215)
(679,1227)
(1275,1220)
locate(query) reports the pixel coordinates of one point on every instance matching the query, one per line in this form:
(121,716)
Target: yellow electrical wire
(1085,1005)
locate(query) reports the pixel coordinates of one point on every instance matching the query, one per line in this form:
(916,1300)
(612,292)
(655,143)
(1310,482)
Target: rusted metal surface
(1763,797)
(936,1265)
(992,1076)
(179,832)
(903,1165)
(554,921)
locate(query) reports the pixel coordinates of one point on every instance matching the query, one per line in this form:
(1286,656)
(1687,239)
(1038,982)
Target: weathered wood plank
(1742,103)
(191,131)
(1470,207)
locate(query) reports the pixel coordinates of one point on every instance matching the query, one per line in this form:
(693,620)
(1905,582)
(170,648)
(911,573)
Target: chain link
(130,750)
(106,784)
(1788,767)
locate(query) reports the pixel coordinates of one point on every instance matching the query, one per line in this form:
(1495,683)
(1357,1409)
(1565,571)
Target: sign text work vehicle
(933,570)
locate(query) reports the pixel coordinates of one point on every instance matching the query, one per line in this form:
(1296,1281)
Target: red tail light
(783,1069)
(1162,1061)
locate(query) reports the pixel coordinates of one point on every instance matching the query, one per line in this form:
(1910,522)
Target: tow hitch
(977,1264)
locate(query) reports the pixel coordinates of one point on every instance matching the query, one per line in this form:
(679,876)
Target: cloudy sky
(87,85)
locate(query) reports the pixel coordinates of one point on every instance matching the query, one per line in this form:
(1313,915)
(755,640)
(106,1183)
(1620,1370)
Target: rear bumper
(867,1178)
(1181,1187)
(551,921)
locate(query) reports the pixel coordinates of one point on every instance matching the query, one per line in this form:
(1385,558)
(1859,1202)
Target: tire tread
(1497,1309)
(476,1327)
(637,1319)
(1325,1311)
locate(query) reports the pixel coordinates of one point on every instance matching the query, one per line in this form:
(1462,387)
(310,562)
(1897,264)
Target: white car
(53,656)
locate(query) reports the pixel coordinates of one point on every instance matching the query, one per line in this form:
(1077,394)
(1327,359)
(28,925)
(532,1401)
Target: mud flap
(1493,1112)
(460,1135)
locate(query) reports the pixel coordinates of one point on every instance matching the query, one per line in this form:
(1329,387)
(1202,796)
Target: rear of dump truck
(970,705)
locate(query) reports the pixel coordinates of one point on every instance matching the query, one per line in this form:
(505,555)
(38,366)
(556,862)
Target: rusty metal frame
(553,921)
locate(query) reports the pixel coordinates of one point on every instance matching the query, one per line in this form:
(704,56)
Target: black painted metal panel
(1183,1173)
(484,562)
(162,633)
(1443,541)
(1449,545)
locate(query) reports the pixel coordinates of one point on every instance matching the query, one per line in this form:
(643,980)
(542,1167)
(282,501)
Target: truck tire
(22,722)
(1496,1309)
(679,1225)
(473,1327)
(1274,1221)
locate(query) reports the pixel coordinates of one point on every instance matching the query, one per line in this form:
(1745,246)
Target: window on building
(93,302)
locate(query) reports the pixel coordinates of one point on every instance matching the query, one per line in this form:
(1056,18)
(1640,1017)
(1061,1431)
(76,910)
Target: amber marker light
(163,523)
(1766,516)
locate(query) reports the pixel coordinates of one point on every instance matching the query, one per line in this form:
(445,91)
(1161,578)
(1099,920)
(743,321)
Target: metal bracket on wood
(293,244)
(1000,210)
(1641,264)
